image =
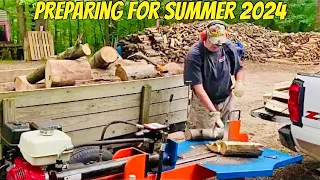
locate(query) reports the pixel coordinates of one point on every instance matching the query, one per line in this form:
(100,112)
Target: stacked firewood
(260,44)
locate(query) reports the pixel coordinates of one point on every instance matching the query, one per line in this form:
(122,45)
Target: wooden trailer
(83,111)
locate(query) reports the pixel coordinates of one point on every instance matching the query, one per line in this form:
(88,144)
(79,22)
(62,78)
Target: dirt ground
(260,78)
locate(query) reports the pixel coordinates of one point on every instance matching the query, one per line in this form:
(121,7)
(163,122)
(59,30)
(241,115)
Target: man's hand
(239,88)
(216,119)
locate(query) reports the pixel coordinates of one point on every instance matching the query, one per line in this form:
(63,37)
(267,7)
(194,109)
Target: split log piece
(65,73)
(242,149)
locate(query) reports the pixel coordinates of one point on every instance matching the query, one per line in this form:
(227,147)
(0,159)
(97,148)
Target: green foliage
(301,17)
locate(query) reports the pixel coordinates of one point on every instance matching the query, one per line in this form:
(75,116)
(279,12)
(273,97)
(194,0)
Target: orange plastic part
(234,132)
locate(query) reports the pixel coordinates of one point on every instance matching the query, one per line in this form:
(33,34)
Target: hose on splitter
(116,122)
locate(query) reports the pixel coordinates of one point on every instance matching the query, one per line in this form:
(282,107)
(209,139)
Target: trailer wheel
(89,154)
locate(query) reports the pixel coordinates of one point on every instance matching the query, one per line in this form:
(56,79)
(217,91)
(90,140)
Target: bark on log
(104,57)
(136,71)
(37,75)
(21,84)
(204,134)
(235,148)
(65,73)
(75,52)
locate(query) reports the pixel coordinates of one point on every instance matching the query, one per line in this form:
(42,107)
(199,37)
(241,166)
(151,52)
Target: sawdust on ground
(260,78)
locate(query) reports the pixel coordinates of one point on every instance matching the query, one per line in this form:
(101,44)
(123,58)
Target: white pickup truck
(302,132)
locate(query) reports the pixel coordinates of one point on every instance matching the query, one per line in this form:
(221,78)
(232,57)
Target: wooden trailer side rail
(83,111)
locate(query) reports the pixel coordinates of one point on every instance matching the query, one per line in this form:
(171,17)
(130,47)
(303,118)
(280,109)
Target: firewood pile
(171,43)
(77,66)
(277,100)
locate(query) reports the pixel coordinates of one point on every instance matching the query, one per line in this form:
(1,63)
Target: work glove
(216,119)
(238,89)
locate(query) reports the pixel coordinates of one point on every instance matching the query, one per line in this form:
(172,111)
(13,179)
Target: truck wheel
(89,154)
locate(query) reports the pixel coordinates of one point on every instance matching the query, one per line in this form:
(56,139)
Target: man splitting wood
(210,64)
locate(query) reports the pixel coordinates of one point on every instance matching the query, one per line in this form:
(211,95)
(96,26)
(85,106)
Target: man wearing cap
(210,64)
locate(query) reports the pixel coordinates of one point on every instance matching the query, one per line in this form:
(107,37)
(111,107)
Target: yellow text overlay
(198,10)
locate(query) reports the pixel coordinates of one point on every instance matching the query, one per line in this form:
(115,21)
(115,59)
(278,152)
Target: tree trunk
(104,57)
(21,21)
(21,84)
(317,20)
(66,72)
(204,134)
(75,52)
(138,71)
(37,75)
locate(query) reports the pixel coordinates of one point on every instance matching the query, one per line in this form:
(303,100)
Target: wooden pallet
(38,45)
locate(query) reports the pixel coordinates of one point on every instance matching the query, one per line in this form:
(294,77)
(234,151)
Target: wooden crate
(84,111)
(38,45)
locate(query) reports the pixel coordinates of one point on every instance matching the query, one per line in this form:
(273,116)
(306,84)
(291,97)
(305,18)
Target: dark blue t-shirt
(214,71)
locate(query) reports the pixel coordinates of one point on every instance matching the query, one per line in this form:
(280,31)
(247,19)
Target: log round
(21,84)
(65,73)
(173,68)
(75,52)
(204,134)
(241,149)
(136,71)
(104,57)
(37,75)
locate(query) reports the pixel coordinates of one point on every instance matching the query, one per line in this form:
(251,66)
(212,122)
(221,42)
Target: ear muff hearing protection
(203,34)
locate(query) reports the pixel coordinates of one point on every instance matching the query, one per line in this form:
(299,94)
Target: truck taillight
(295,103)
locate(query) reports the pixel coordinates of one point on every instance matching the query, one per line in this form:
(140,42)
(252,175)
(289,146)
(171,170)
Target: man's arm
(239,75)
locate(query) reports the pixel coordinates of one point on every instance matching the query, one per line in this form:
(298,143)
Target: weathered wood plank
(31,45)
(91,120)
(282,86)
(40,45)
(145,104)
(277,106)
(93,134)
(173,118)
(164,94)
(9,110)
(280,94)
(76,93)
(9,75)
(76,108)
(162,108)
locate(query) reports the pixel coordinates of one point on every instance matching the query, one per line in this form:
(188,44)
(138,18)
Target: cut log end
(21,84)
(104,57)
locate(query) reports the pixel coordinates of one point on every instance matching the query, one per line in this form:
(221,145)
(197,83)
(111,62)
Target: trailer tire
(89,154)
